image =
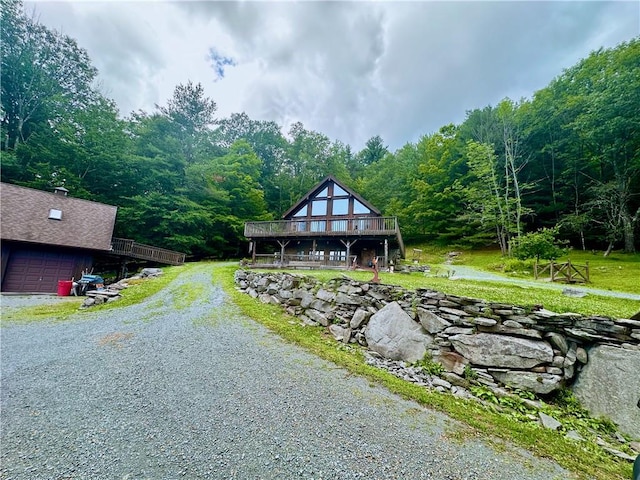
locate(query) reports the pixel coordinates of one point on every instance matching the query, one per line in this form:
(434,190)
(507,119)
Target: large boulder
(609,385)
(502,350)
(393,334)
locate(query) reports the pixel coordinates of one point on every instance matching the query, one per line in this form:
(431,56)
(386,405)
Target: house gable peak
(329,188)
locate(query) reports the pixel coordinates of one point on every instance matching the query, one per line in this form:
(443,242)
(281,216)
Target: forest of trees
(185,179)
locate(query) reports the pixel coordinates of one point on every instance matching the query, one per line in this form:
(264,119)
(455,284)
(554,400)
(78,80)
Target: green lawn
(618,271)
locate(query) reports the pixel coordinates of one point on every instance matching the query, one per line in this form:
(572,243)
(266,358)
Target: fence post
(587,271)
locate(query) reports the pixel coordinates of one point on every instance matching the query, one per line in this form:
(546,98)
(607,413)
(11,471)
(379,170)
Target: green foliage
(513,266)
(525,394)
(46,77)
(541,244)
(484,393)
(575,417)
(436,199)
(429,366)
(469,373)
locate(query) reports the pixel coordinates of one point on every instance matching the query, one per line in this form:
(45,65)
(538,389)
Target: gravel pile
(163,390)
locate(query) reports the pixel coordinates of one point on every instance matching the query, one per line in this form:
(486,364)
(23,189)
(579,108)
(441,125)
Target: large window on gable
(359,208)
(318,207)
(340,206)
(324,193)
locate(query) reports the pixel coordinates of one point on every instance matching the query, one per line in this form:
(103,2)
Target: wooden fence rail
(566,272)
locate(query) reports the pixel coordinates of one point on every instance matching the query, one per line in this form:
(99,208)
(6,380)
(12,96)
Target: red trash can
(64,288)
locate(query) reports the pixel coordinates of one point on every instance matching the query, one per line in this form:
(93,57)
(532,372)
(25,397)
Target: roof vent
(61,191)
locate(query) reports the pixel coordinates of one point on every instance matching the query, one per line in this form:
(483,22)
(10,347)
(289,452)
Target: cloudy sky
(350,70)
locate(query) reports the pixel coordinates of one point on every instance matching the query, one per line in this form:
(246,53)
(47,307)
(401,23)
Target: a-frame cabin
(330,227)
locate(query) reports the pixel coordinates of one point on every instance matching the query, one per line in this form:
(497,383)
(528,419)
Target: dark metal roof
(318,188)
(26,218)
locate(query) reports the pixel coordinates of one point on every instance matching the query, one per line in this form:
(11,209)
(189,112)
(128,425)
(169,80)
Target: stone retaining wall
(496,344)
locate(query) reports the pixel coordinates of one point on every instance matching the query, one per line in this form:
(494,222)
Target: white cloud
(349,70)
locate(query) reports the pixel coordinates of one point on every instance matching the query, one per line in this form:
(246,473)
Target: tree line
(184,179)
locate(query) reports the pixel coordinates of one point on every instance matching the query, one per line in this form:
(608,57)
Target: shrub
(514,265)
(541,244)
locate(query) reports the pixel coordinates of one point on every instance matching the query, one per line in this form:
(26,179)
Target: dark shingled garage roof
(30,215)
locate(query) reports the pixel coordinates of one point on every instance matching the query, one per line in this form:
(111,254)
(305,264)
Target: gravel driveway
(162,390)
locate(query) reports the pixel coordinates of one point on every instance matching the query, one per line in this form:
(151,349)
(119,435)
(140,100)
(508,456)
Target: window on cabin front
(361,224)
(338,192)
(338,256)
(340,206)
(302,212)
(339,225)
(318,207)
(324,193)
(359,208)
(318,226)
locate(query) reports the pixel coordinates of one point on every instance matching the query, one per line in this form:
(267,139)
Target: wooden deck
(129,248)
(352,227)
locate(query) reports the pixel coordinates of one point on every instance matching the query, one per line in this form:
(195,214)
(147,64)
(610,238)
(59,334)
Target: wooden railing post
(586,268)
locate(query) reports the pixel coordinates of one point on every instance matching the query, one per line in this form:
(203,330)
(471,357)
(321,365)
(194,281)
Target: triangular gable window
(324,193)
(338,192)
(359,208)
(302,212)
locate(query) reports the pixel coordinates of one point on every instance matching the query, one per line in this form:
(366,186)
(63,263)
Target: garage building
(49,236)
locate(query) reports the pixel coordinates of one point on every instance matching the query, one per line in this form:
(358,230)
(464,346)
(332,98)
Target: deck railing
(322,227)
(129,248)
(317,260)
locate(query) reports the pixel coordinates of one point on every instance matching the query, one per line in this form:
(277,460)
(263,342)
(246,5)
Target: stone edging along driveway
(164,390)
